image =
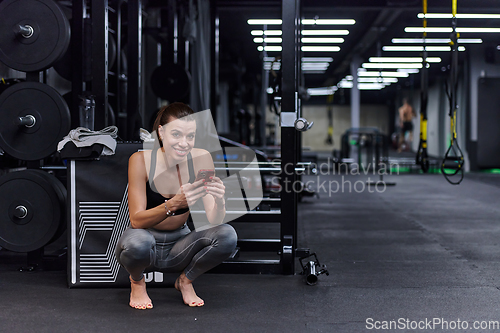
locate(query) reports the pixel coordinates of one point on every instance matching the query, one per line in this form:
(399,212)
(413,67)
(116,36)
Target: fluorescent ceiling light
(269,48)
(324,91)
(316,64)
(317,59)
(464,29)
(322,40)
(361,86)
(409,70)
(320,48)
(401,59)
(377,79)
(271,59)
(435,40)
(304,21)
(313,72)
(266,32)
(384,74)
(329,21)
(370,86)
(345,84)
(267,40)
(458,16)
(449,29)
(304,32)
(276,66)
(314,68)
(349,77)
(325,32)
(391,65)
(420,48)
(433,29)
(264,21)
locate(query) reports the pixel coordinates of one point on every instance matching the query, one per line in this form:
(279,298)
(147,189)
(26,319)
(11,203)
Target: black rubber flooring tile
(395,252)
(476,252)
(489,271)
(490,179)
(334,238)
(414,274)
(457,223)
(356,220)
(463,212)
(356,305)
(458,240)
(40,302)
(321,327)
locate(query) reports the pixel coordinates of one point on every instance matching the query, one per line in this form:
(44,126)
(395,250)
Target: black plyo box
(97,216)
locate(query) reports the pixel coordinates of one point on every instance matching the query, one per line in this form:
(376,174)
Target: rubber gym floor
(422,250)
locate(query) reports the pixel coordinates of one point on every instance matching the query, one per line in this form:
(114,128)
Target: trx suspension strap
(453,160)
(422,158)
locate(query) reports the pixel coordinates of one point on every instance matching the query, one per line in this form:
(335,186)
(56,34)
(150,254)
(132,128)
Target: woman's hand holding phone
(206,183)
(216,188)
(187,195)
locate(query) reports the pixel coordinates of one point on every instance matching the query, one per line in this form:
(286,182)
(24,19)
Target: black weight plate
(170,82)
(62,195)
(6,83)
(50,39)
(52,120)
(29,189)
(112,49)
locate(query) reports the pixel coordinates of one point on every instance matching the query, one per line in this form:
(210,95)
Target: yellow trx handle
(424,133)
(454,8)
(454,124)
(453,127)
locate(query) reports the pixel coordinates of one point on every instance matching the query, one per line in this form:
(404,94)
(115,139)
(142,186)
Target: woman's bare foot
(185,286)
(139,298)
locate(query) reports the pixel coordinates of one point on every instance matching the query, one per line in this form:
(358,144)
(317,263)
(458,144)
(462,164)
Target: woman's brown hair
(171,112)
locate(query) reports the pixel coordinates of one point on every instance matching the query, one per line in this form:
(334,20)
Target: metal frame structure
(286,216)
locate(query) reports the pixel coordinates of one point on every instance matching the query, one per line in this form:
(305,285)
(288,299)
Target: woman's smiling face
(178,138)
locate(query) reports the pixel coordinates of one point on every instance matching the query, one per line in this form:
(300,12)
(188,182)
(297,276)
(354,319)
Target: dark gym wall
(481,66)
(488,121)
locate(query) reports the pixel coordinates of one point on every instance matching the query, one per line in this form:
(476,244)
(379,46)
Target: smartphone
(205,174)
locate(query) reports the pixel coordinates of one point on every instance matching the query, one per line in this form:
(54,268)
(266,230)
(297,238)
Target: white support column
(355,98)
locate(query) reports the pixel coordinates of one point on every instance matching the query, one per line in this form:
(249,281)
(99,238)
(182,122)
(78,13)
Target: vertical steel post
(77,52)
(290,66)
(134,58)
(99,14)
(214,59)
(120,76)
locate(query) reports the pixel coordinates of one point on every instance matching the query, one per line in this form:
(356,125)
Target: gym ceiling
(378,23)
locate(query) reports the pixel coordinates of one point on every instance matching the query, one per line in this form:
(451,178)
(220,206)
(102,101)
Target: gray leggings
(140,250)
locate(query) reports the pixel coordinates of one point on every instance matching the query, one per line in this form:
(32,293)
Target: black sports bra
(153,197)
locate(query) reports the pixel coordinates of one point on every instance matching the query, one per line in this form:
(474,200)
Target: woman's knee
(136,244)
(226,237)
